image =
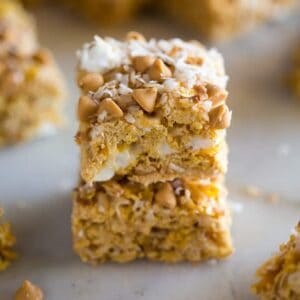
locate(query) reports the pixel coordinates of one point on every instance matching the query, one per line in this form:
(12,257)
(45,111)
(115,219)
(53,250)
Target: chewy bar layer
(106,12)
(279,277)
(220,19)
(31,86)
(173,221)
(153,110)
(7,241)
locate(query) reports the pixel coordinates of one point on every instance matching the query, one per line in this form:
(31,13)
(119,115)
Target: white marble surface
(36,178)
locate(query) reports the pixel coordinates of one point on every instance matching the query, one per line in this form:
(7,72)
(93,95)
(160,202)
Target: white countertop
(37,178)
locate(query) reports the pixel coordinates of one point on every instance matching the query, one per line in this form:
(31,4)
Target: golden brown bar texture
(152,110)
(279,277)
(31,86)
(171,221)
(7,241)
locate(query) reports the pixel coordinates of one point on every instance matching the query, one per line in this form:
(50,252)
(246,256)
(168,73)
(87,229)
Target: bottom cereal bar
(29,291)
(279,277)
(7,241)
(172,221)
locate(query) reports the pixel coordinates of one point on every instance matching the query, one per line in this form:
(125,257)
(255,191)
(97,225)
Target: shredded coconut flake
(129,118)
(124,89)
(104,54)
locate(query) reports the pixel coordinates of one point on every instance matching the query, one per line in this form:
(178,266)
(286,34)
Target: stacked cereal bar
(153,119)
(7,241)
(220,19)
(279,277)
(120,220)
(31,86)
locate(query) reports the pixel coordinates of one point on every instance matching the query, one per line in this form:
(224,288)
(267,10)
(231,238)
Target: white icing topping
(105,173)
(123,159)
(165,149)
(104,54)
(114,164)
(198,143)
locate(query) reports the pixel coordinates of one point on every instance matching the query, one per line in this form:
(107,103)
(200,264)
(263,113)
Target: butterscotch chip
(216,94)
(111,108)
(91,82)
(165,196)
(146,98)
(86,108)
(220,117)
(159,70)
(133,35)
(29,291)
(142,63)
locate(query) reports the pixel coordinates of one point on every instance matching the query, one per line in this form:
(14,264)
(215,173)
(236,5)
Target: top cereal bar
(151,110)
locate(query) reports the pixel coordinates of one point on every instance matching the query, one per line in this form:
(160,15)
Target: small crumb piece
(273,198)
(111,108)
(159,70)
(165,196)
(253,191)
(146,98)
(29,291)
(142,63)
(86,107)
(91,82)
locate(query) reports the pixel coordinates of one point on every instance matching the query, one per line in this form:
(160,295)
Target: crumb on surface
(29,291)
